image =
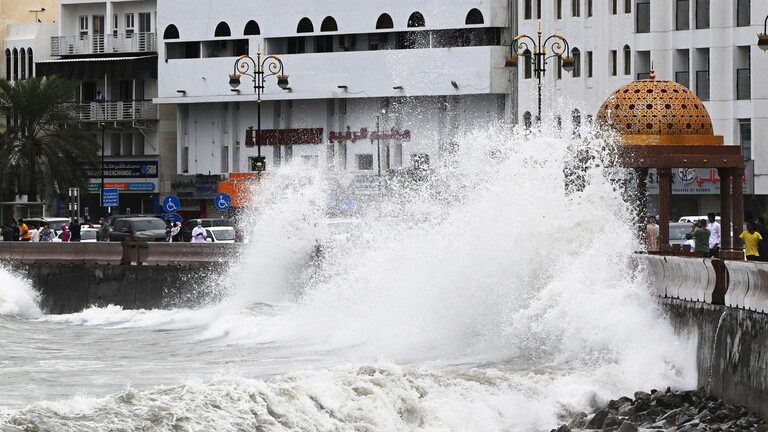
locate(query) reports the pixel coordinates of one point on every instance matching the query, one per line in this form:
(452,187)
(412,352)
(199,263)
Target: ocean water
(484,297)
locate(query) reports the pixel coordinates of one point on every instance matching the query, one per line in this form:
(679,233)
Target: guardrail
(115,253)
(104,44)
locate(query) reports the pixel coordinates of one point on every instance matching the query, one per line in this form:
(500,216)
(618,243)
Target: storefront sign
(284,136)
(195,186)
(693,181)
(126,169)
(354,136)
(125,187)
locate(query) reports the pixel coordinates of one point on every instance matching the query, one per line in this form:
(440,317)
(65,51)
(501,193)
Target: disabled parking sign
(171,204)
(222,201)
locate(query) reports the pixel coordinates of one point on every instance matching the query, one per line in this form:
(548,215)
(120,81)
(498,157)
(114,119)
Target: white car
(220,234)
(86,235)
(692,219)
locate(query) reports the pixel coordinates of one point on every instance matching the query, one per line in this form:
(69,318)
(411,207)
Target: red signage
(284,136)
(353,136)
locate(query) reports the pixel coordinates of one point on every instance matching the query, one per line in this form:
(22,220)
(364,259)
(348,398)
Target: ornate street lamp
(558,45)
(259,70)
(762,38)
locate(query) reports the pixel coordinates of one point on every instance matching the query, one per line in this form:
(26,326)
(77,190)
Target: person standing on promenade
(74,230)
(34,233)
(175,237)
(45,233)
(714,238)
(7,232)
(23,231)
(104,230)
(762,247)
(652,231)
(15,228)
(701,237)
(198,234)
(752,240)
(64,236)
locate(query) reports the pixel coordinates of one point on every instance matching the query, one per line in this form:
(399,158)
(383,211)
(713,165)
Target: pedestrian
(176,232)
(701,237)
(45,233)
(23,231)
(64,236)
(7,232)
(15,228)
(74,230)
(714,238)
(89,224)
(198,234)
(104,230)
(762,247)
(34,233)
(652,231)
(752,240)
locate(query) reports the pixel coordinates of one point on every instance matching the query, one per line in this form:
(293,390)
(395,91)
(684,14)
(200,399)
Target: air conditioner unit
(346,42)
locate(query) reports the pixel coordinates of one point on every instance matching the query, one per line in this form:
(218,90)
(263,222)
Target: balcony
(116,111)
(103,44)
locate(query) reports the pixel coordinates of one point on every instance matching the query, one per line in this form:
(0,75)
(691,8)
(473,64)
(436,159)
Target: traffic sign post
(222,201)
(110,198)
(172,217)
(171,204)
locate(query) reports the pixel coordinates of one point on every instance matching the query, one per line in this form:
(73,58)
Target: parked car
(677,232)
(114,218)
(86,235)
(220,234)
(692,219)
(186,229)
(138,229)
(54,223)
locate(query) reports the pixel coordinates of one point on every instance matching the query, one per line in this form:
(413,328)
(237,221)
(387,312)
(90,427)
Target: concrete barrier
(738,282)
(674,275)
(655,268)
(757,296)
(187,253)
(61,253)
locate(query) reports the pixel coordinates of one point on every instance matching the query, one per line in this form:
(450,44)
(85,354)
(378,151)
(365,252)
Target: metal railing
(116,110)
(103,44)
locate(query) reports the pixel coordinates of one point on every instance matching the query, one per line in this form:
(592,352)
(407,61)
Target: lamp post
(558,45)
(101,195)
(762,38)
(255,68)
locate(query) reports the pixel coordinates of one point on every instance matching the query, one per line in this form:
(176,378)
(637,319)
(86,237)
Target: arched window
(31,62)
(15,64)
(384,22)
(171,32)
(222,30)
(627,60)
(576,54)
(305,26)
(23,63)
(329,24)
(252,28)
(528,60)
(7,64)
(416,20)
(527,120)
(474,17)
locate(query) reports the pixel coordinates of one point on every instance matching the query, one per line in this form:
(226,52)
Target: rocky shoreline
(667,411)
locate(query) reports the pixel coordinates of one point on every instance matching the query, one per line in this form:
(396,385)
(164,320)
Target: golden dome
(657,112)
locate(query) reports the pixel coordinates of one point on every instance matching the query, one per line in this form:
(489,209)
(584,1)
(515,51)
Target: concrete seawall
(69,288)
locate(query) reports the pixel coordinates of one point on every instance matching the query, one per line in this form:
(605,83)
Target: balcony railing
(103,44)
(116,110)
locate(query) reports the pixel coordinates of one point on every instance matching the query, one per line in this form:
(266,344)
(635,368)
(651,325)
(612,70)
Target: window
(627,6)
(416,20)
(527,13)
(329,24)
(31,61)
(171,32)
(528,59)
(527,120)
(576,62)
(251,29)
(364,162)
(145,22)
(23,63)
(681,15)
(742,62)
(643,17)
(305,26)
(613,64)
(589,64)
(474,17)
(8,64)
(83,20)
(576,122)
(384,22)
(115,24)
(745,138)
(309,161)
(589,8)
(742,13)
(130,25)
(627,60)
(576,8)
(538,9)
(222,30)
(702,14)
(614,7)
(559,9)
(15,64)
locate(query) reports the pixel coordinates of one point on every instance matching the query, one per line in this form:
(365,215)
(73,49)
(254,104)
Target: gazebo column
(665,182)
(726,206)
(738,206)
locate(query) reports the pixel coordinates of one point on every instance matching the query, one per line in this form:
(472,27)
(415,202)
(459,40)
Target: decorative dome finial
(653,73)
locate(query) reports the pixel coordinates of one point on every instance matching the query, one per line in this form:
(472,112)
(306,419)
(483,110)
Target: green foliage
(43,147)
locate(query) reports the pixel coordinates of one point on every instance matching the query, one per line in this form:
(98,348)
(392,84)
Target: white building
(417,72)
(708,46)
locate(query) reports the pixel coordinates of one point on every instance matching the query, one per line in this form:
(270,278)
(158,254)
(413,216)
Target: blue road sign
(171,204)
(110,197)
(222,201)
(172,217)
(347,205)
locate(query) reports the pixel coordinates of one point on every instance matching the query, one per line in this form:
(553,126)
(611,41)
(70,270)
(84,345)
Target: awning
(97,67)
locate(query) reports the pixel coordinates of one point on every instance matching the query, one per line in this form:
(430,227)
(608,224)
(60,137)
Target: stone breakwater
(667,411)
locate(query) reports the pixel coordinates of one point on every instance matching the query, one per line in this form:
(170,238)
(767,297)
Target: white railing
(103,44)
(117,110)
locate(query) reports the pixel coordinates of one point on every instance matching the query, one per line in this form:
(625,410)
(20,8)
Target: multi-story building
(708,46)
(372,87)
(110,47)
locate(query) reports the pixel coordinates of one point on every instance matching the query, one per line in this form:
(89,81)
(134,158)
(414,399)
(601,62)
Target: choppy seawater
(486,298)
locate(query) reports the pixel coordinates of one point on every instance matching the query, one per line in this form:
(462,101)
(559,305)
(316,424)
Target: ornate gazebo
(663,125)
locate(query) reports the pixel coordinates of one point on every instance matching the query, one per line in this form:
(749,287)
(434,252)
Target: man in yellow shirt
(751,239)
(24,231)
